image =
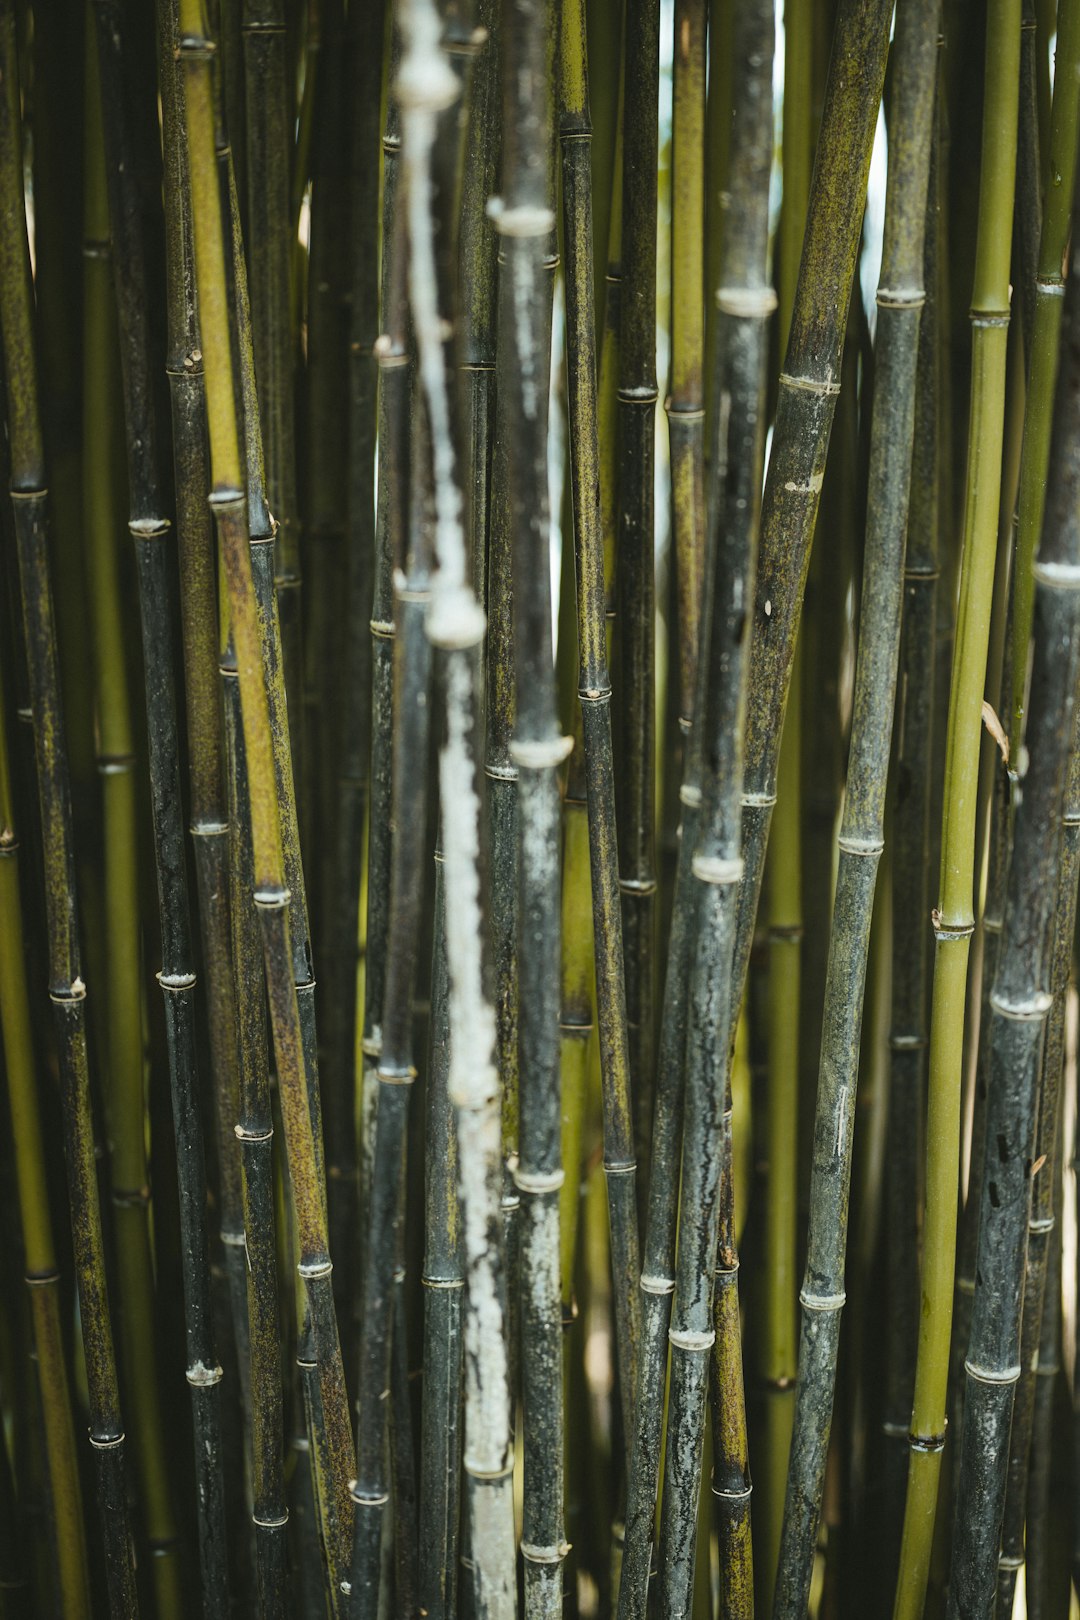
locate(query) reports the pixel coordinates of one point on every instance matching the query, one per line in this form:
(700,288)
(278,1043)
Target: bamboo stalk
(953,922)
(594,693)
(67,991)
(1045,346)
(396,1069)
(272,897)
(707,1253)
(444,1281)
(635,582)
(1020,1003)
(42,1272)
(809,385)
(198,611)
(150,528)
(908,1034)
(427,84)
(524,220)
(861,835)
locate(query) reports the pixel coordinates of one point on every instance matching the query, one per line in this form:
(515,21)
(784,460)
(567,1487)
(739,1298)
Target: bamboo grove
(539,809)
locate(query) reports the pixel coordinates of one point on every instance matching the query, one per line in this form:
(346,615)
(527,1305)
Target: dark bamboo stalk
(396,1069)
(909,1030)
(1020,1003)
(594,693)
(444,1282)
(67,991)
(524,220)
(705,1310)
(41,1270)
(198,612)
(272,895)
(427,86)
(809,385)
(150,528)
(635,581)
(861,835)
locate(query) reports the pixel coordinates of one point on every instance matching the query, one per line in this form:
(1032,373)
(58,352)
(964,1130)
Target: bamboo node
(396,1077)
(312,1270)
(9,844)
(1051,286)
(989,317)
(901,297)
(242,1134)
(758,801)
(645,394)
(860,846)
(822,1302)
(544,1555)
(747,303)
(538,1181)
(1044,1224)
(202,1376)
(208,829)
(992,1375)
(927,1442)
(107,1442)
(193,47)
(526,219)
(275,897)
(651,1284)
(270,1524)
(447,1283)
(810,385)
(149,528)
(481,1471)
(176,981)
(501,773)
(743,1495)
(623,1168)
(685,1340)
(717,869)
(642,886)
(369,1499)
(76,991)
(371,1046)
(1029,1009)
(544,753)
(1059,576)
(948,931)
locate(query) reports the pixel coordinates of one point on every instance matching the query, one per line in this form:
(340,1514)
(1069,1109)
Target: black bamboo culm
(444,1281)
(67,990)
(809,385)
(861,836)
(634,570)
(385,1211)
(151,531)
(292,1056)
(908,1035)
(594,690)
(198,614)
(707,1261)
(426,86)
(1020,1003)
(524,219)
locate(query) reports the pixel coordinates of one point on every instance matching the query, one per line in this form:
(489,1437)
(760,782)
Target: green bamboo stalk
(1027,225)
(396,1069)
(427,85)
(150,528)
(809,385)
(524,221)
(861,835)
(706,1305)
(635,782)
(953,921)
(267,128)
(67,991)
(444,1282)
(125,1097)
(908,1035)
(42,1273)
(198,611)
(1020,1003)
(594,693)
(272,896)
(1045,346)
